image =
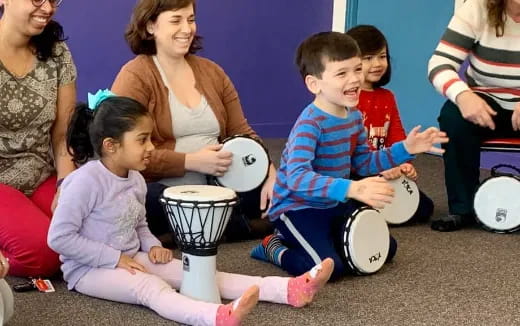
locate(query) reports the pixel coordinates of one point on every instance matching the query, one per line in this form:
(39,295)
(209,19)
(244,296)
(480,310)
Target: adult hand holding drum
(246,174)
(250,164)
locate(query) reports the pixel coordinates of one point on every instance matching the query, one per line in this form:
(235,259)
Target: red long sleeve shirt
(381,117)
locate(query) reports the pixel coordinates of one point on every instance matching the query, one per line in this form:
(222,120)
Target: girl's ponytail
(79,144)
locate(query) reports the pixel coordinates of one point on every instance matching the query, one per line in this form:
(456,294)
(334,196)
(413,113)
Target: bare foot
(301,289)
(235,312)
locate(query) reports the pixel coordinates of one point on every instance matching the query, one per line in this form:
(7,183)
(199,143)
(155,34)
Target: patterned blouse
(28,107)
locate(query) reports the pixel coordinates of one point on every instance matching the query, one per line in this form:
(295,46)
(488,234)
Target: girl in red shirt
(380,113)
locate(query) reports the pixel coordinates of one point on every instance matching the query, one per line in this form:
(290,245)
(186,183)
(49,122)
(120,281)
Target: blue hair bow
(96,99)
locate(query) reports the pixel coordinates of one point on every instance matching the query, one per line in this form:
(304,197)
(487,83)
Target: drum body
(198,214)
(6,302)
(250,164)
(497,204)
(405,202)
(366,241)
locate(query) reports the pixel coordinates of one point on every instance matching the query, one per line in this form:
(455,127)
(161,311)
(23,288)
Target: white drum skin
(186,195)
(366,240)
(497,204)
(405,202)
(249,167)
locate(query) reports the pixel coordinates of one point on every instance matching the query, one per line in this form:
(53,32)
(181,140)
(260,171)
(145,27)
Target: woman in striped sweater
(487,34)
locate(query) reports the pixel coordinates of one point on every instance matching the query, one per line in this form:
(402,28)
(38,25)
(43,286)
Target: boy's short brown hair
(138,38)
(332,46)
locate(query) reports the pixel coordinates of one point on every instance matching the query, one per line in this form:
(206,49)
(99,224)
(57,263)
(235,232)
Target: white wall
(339,15)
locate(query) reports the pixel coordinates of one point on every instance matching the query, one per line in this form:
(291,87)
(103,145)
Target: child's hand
(373,191)
(392,173)
(419,142)
(130,264)
(160,255)
(409,170)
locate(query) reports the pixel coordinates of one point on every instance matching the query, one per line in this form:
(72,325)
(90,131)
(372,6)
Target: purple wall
(254,41)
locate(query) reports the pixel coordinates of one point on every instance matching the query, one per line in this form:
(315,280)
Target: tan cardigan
(140,79)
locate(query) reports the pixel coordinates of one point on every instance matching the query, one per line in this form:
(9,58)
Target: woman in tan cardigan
(194,105)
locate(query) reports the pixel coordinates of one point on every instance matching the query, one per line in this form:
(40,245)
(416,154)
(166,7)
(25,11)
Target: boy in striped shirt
(312,190)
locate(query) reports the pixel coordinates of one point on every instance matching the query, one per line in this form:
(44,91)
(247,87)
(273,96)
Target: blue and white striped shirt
(321,151)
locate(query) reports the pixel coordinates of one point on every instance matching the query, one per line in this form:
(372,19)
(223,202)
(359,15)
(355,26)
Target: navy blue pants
(321,229)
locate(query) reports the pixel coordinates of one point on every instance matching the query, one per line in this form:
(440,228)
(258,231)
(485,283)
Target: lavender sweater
(99,217)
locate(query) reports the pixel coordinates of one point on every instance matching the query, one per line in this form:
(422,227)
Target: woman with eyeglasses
(37,95)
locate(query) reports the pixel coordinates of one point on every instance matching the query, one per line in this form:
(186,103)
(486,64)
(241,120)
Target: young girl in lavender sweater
(100,231)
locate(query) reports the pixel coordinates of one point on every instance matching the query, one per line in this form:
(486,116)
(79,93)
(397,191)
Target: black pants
(245,222)
(462,155)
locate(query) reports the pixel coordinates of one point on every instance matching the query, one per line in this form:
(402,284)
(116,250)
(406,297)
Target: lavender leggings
(156,289)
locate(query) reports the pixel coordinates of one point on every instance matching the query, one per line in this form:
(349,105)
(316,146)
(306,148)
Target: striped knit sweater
(318,157)
(494,62)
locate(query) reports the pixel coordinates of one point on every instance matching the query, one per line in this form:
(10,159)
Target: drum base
(199,280)
(6,302)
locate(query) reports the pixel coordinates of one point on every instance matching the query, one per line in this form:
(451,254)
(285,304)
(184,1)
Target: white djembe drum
(250,164)
(198,215)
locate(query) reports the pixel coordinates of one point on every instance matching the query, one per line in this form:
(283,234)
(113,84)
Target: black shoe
(260,228)
(452,222)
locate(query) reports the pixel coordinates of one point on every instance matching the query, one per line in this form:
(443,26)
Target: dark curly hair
(44,43)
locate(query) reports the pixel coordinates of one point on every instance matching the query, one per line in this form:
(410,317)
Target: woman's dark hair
(136,35)
(111,119)
(497,15)
(371,41)
(313,52)
(45,41)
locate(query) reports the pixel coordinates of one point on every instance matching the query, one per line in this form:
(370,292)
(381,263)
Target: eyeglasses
(54,3)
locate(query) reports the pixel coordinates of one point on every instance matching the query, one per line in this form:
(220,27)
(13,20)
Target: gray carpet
(463,278)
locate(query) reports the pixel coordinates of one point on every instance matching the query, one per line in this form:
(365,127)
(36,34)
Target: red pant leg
(23,235)
(44,194)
